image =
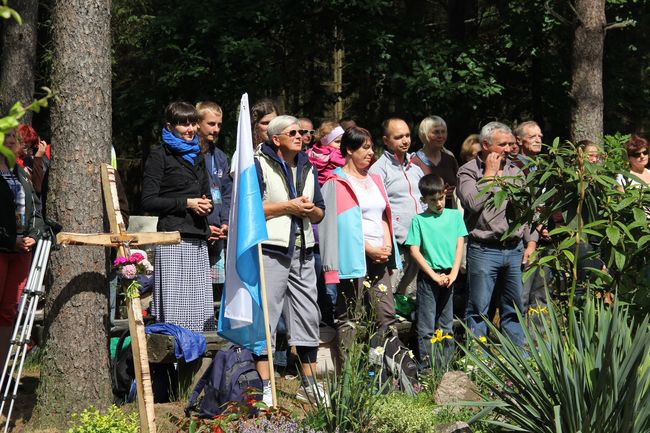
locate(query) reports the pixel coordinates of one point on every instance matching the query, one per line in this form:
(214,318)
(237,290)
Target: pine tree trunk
(18,58)
(75,367)
(587,73)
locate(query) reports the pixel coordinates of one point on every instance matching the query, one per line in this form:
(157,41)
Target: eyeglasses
(306,131)
(291,133)
(638,154)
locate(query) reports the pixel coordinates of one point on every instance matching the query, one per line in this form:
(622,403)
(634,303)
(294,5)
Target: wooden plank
(134,309)
(116,240)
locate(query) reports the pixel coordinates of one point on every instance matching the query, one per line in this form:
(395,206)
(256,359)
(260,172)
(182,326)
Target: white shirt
(372,206)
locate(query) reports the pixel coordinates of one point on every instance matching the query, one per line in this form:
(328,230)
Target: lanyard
(289,177)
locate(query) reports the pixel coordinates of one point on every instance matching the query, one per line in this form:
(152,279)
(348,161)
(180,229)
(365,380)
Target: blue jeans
(435,310)
(484,264)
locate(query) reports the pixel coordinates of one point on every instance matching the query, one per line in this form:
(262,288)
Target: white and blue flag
(241,317)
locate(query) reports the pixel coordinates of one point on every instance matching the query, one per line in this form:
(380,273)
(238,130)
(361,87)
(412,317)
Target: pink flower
(136,258)
(119,261)
(129,272)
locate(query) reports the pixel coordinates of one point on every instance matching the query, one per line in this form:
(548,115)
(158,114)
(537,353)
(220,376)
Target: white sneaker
(314,394)
(267,396)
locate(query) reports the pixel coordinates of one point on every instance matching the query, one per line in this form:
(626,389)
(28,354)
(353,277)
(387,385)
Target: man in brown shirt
(488,255)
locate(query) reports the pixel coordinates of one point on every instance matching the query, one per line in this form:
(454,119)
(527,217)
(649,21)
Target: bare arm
(424,266)
(460,246)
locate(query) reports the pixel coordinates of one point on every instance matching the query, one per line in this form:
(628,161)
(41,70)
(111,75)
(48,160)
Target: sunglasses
(642,153)
(291,133)
(306,131)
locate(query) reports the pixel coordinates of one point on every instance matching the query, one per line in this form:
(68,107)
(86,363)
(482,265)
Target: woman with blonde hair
(433,158)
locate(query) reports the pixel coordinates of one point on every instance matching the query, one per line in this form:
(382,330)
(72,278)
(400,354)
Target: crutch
(22,332)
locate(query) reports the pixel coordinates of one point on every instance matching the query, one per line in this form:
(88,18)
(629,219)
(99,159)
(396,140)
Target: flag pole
(267,329)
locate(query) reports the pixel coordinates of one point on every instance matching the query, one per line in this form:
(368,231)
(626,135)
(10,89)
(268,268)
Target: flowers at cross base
(129,269)
(438,337)
(382,288)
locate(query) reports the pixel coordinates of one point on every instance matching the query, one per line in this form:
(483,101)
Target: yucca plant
(591,380)
(353,394)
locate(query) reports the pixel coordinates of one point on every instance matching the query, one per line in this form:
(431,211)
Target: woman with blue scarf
(175,187)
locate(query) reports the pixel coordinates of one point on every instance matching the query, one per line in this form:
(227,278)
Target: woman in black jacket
(20,224)
(176,188)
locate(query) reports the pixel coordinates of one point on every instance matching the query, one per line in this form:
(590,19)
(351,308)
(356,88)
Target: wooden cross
(120,239)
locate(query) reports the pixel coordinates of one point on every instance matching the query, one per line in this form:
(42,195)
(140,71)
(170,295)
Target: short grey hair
(427,124)
(519,130)
(279,124)
(488,130)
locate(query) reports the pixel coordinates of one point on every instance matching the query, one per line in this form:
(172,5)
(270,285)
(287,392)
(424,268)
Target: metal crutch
(23,328)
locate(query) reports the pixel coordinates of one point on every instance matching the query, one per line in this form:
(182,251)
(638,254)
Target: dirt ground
(169,416)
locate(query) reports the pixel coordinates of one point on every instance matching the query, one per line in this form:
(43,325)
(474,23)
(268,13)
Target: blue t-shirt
(436,235)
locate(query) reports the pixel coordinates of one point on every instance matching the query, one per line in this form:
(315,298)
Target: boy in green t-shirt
(436,240)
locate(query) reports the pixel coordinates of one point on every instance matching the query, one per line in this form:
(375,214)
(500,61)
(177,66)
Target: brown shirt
(487,223)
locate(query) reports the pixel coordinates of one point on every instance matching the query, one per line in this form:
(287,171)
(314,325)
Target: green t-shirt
(436,235)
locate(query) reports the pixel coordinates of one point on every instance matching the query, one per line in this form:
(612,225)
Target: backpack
(230,377)
(396,363)
(163,376)
(123,373)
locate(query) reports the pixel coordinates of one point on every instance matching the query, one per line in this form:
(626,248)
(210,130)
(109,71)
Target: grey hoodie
(401,182)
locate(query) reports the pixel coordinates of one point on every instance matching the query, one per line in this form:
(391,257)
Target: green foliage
(583,377)
(114,421)
(400,413)
(588,215)
(13,120)
(6,13)
(353,396)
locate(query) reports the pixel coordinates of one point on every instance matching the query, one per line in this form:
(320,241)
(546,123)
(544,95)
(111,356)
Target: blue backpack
(231,377)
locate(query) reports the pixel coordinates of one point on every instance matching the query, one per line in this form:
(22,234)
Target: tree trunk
(587,73)
(18,57)
(75,367)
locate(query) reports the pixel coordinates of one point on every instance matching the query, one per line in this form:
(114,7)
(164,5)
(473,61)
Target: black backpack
(163,376)
(230,378)
(123,373)
(395,363)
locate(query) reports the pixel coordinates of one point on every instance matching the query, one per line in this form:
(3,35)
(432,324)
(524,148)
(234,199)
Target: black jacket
(168,182)
(33,220)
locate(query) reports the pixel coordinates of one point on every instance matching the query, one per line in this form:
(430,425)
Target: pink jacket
(325,159)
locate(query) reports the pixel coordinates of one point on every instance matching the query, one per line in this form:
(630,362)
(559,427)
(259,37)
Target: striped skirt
(183,287)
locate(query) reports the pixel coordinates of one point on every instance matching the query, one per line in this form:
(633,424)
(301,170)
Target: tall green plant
(353,395)
(582,203)
(584,379)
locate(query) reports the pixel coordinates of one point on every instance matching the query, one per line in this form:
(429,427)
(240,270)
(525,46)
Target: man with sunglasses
(292,203)
(307,132)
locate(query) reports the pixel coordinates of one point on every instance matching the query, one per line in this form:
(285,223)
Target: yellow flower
(366,284)
(438,337)
(540,310)
(482,339)
(382,288)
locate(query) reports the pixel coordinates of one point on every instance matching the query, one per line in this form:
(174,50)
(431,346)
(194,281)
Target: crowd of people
(347,229)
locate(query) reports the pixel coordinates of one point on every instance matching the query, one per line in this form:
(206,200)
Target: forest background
(469,61)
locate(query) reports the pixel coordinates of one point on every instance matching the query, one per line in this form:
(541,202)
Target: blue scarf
(189,150)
